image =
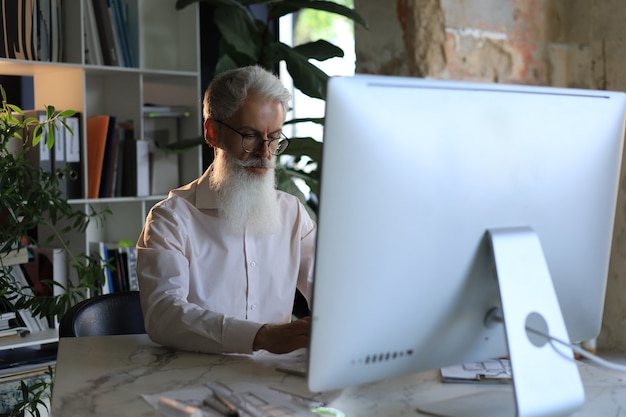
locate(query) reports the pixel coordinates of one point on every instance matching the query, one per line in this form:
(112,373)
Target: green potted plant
(30,198)
(247,40)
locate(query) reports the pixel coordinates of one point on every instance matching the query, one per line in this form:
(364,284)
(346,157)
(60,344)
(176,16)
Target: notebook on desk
(488,371)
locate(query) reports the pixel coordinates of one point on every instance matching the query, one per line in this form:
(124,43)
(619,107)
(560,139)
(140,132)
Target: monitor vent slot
(382,357)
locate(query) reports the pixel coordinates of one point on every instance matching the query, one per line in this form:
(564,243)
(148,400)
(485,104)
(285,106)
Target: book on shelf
(14,257)
(104,26)
(58,165)
(8,320)
(46,264)
(124,260)
(111,151)
(39,155)
(97,127)
(121,273)
(12,326)
(35,277)
(32,322)
(118,163)
(100,251)
(152,110)
(125,132)
(63,159)
(93,47)
(123,12)
(113,30)
(116,172)
(73,175)
(136,168)
(32,30)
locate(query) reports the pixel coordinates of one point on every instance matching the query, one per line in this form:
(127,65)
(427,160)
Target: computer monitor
(442,203)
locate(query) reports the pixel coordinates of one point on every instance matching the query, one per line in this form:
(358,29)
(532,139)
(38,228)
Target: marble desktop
(106,376)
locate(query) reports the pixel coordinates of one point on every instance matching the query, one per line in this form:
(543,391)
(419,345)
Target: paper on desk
(253,400)
(493,370)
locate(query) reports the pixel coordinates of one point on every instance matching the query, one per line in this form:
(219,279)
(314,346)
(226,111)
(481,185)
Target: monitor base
(491,403)
(546,381)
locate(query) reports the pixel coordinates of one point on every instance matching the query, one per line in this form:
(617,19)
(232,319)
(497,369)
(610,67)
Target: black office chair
(108,314)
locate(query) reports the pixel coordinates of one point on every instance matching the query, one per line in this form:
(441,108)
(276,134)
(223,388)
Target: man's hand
(283,338)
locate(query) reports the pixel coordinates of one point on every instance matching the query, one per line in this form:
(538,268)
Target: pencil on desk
(232,409)
(170,407)
(216,405)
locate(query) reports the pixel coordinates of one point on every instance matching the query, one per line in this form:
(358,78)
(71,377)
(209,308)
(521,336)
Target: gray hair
(228,90)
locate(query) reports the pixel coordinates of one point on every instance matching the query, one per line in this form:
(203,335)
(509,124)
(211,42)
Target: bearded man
(219,259)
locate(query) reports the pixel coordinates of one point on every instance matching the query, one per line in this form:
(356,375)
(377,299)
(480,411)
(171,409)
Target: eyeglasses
(253,142)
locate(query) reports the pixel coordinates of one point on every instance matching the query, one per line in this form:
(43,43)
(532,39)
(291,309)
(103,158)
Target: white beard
(247,201)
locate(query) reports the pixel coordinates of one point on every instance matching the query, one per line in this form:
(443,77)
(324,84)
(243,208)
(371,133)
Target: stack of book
(118,163)
(11,325)
(120,265)
(31,322)
(110,37)
(30,273)
(32,30)
(64,158)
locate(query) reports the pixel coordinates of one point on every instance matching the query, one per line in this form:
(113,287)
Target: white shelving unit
(168,72)
(46,336)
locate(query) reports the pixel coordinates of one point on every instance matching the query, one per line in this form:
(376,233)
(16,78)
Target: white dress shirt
(204,289)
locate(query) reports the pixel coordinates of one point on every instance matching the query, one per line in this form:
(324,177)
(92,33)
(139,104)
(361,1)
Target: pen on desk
(232,409)
(169,407)
(238,402)
(216,405)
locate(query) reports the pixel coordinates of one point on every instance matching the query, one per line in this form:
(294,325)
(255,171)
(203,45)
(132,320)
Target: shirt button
(253,307)
(252,264)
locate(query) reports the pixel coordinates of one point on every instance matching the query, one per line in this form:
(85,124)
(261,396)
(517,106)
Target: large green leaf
(238,28)
(181,4)
(229,57)
(310,179)
(306,77)
(285,182)
(225,63)
(320,50)
(318,120)
(305,146)
(281,8)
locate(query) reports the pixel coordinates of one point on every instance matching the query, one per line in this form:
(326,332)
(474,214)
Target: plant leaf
(284,7)
(304,146)
(318,120)
(306,77)
(320,50)
(181,4)
(225,63)
(238,29)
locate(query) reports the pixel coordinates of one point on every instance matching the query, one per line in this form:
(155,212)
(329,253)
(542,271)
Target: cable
(582,352)
(496,315)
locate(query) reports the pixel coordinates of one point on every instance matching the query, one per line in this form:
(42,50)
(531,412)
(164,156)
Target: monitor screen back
(414,172)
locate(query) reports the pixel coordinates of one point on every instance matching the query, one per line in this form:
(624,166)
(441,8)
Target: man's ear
(209,133)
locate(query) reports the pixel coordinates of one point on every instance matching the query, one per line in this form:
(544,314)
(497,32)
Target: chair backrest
(108,314)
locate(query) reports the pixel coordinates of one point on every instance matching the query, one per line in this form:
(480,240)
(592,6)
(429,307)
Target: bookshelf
(46,336)
(167,71)
(166,42)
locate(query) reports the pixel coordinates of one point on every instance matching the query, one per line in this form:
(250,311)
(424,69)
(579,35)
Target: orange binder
(97,127)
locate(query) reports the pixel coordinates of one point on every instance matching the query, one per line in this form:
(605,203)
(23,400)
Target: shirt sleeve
(170,319)
(308,231)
